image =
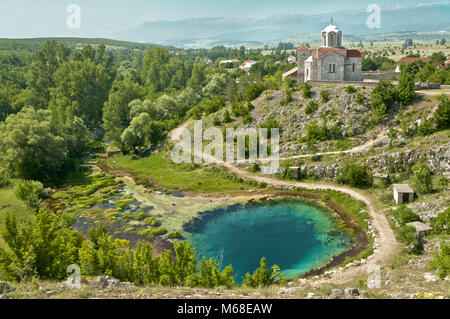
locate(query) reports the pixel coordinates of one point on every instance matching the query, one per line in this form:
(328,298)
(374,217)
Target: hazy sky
(32,18)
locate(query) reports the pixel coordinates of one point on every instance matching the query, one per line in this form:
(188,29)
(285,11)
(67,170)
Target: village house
(247,65)
(403,193)
(292,59)
(208,61)
(408,60)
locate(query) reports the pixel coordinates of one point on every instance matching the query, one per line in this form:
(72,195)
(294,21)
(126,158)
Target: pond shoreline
(328,206)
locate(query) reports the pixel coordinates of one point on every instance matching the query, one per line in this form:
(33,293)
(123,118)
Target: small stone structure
(379,177)
(294,172)
(403,193)
(420,227)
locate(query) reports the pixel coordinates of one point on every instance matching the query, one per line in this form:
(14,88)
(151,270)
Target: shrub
(5,180)
(441,223)
(253,91)
(226,117)
(37,247)
(442,183)
(350,89)
(311,107)
(405,215)
(325,95)
(355,175)
(247,119)
(30,192)
(360,98)
(425,128)
(306,91)
(152,221)
(210,276)
(407,235)
(174,235)
(441,262)
(423,179)
(442,114)
(216,121)
(262,277)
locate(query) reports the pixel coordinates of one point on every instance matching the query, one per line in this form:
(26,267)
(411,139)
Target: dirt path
(386,239)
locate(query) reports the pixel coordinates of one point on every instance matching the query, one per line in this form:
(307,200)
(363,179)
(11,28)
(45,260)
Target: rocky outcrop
(438,159)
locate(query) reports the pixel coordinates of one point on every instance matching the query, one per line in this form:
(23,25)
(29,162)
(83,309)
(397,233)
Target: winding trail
(385,236)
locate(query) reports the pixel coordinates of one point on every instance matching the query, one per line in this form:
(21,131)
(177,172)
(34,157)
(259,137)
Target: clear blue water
(295,236)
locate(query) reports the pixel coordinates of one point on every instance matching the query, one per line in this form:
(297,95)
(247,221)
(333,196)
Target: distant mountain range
(206,32)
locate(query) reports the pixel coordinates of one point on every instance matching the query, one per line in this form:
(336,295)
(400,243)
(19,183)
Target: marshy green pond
(296,236)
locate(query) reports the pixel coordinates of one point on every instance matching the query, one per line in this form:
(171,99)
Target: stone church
(330,62)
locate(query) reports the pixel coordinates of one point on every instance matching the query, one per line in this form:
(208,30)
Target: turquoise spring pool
(295,236)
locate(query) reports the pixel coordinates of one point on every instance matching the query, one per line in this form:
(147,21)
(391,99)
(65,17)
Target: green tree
(210,276)
(441,223)
(41,246)
(30,149)
(116,111)
(262,277)
(30,192)
(423,178)
(441,262)
(40,77)
(81,89)
(405,215)
(354,175)
(442,114)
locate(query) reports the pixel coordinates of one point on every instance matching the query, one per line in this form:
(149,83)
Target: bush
(407,235)
(360,98)
(247,119)
(39,246)
(441,262)
(350,89)
(405,215)
(306,91)
(30,192)
(442,183)
(262,277)
(5,180)
(216,121)
(442,114)
(355,175)
(253,91)
(425,128)
(325,95)
(226,117)
(441,223)
(423,179)
(311,107)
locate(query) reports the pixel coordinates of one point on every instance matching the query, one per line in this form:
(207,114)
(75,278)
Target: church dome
(331,28)
(331,36)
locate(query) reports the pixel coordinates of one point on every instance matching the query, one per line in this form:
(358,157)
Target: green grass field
(185,177)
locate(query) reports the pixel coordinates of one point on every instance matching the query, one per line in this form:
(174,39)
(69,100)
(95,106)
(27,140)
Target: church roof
(411,60)
(331,28)
(304,48)
(350,53)
(354,54)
